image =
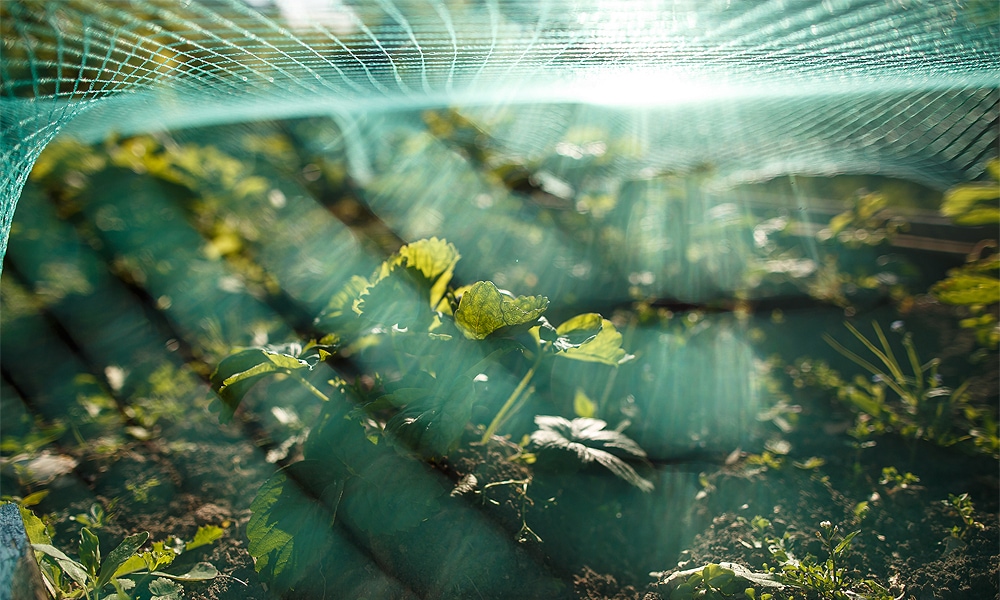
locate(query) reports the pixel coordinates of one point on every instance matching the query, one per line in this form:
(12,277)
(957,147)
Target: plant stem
(310,387)
(502,413)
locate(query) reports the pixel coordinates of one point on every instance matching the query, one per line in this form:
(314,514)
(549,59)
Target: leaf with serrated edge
(164,589)
(484,310)
(588,440)
(436,259)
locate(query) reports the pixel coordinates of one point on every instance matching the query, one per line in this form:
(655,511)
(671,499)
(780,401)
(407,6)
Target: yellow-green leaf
(205,535)
(34,527)
(967,290)
(583,406)
(973,204)
(436,259)
(484,309)
(605,347)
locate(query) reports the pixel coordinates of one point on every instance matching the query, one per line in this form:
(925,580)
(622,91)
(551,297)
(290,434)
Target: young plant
(827,578)
(962,505)
(929,410)
(430,353)
(88,575)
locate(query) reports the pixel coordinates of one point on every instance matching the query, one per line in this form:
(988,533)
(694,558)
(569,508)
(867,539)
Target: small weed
(962,505)
(95,518)
(141,491)
(828,578)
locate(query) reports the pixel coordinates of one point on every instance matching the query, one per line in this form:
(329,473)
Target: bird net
(759,89)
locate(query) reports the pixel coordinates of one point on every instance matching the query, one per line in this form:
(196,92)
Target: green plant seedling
(962,505)
(92,572)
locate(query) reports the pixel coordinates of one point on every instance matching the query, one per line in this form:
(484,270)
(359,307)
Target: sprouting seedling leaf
(588,441)
(237,373)
(484,310)
(90,551)
(605,347)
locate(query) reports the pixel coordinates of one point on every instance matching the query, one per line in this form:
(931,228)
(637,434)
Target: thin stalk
(911,353)
(502,413)
(865,365)
(892,366)
(888,349)
(310,387)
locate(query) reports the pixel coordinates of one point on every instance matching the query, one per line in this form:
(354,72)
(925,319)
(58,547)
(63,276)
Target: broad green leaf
(409,284)
(582,405)
(973,204)
(237,373)
(205,535)
(34,527)
(119,555)
(202,571)
(432,419)
(839,222)
(571,334)
(484,310)
(966,289)
(163,589)
(290,529)
(90,551)
(605,347)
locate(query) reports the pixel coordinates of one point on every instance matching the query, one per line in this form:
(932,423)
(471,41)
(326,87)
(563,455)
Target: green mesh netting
(756,89)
